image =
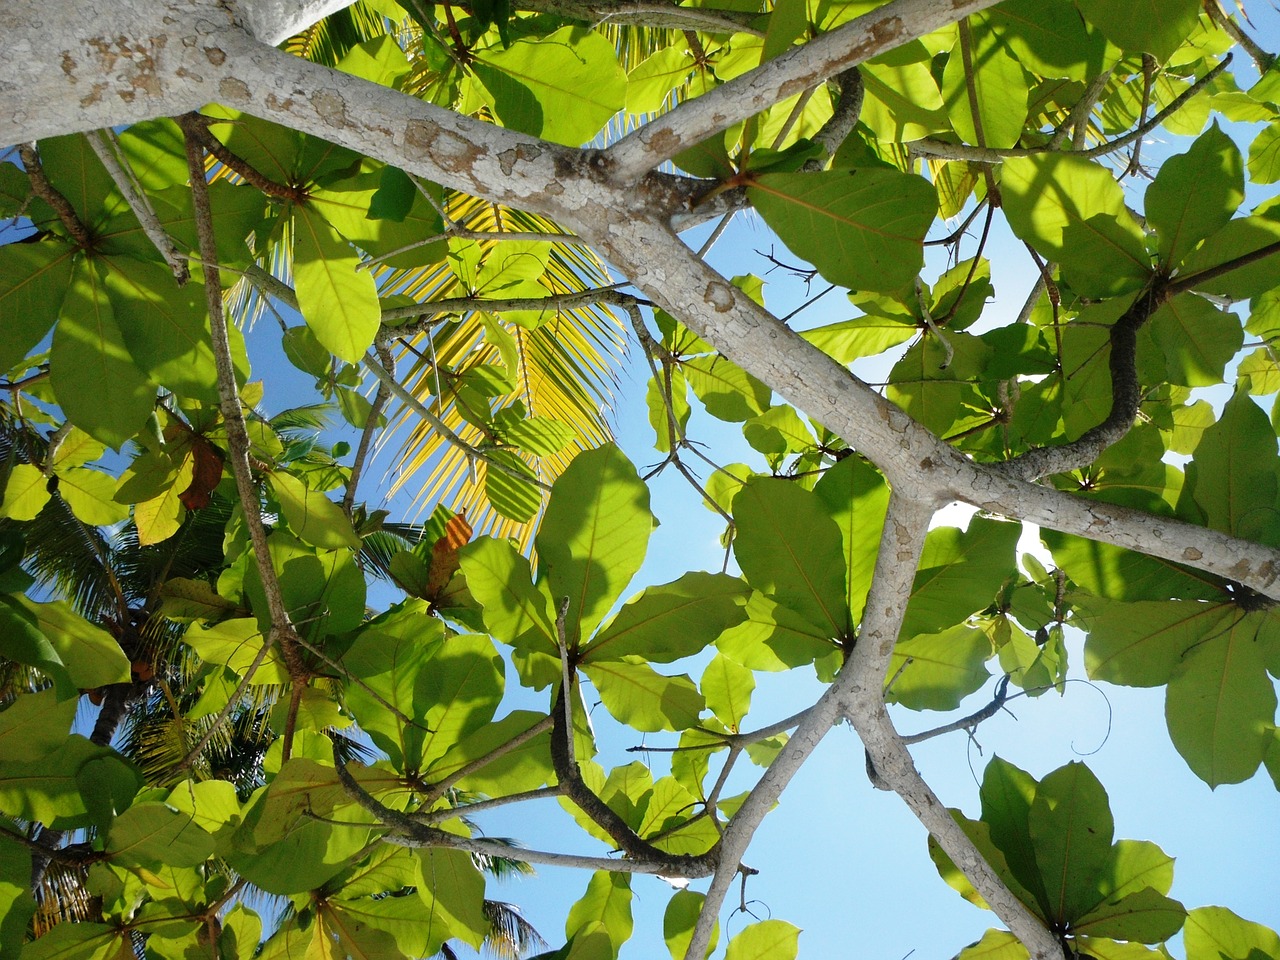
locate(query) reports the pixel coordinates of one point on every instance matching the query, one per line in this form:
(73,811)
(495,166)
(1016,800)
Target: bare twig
(47,192)
(105,145)
(282,631)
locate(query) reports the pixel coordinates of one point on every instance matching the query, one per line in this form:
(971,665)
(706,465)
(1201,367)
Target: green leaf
(26,491)
(311,515)
(1007,795)
(995,945)
(235,644)
(515,611)
(452,889)
(1071,828)
(1141,644)
(862,229)
(34,279)
(1215,933)
(463,687)
(391,657)
(857,498)
(999,87)
(960,572)
(678,922)
(727,391)
(1197,339)
(338,301)
(939,669)
(569,84)
(1107,571)
(92,656)
(49,789)
(1194,194)
(593,536)
(526,767)
(541,436)
(1235,474)
(637,695)
(1050,38)
(79,941)
(513,497)
(152,833)
(95,379)
(766,940)
(727,687)
(1144,915)
(902,102)
(789,548)
(673,620)
(164,326)
(1049,192)
(34,725)
(606,902)
(1157,27)
(1239,239)
(1264,155)
(1221,705)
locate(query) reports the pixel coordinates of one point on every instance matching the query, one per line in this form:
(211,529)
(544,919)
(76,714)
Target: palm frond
(510,936)
(568,369)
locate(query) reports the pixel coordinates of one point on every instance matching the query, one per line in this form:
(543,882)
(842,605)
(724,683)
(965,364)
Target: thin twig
(47,192)
(229,402)
(953,151)
(105,145)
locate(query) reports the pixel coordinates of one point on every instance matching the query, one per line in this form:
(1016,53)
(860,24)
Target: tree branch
(801,67)
(282,631)
(47,192)
(859,693)
(961,151)
(104,144)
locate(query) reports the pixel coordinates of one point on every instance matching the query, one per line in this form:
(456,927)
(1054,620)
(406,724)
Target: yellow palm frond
(567,370)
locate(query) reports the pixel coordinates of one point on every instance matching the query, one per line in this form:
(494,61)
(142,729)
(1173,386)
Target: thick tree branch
(694,120)
(859,693)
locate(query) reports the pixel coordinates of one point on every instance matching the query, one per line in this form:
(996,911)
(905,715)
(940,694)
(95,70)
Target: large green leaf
(1221,705)
(1070,827)
(607,902)
(791,550)
(593,536)
(515,611)
(1239,239)
(1007,794)
(1157,27)
(1215,933)
(92,656)
(679,920)
(311,515)
(1049,38)
(391,658)
(453,891)
(861,228)
(1195,193)
(766,940)
(938,670)
(960,572)
(35,724)
(1234,477)
(463,686)
(728,392)
(999,89)
(1144,915)
(1197,339)
(727,687)
(34,278)
(94,377)
(152,833)
(673,620)
(338,301)
(1140,644)
(640,697)
(563,88)
(1046,193)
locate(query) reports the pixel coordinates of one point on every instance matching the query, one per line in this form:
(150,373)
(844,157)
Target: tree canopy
(453,219)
